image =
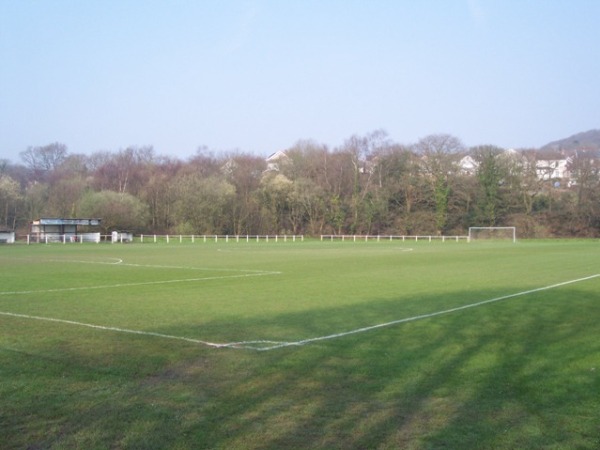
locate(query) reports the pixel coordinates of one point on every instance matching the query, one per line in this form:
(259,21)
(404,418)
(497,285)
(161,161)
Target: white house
(468,165)
(552,169)
(274,160)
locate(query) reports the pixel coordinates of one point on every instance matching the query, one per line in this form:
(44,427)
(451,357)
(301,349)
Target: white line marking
(120,262)
(410,319)
(241,273)
(116,261)
(251,345)
(144,283)
(120,330)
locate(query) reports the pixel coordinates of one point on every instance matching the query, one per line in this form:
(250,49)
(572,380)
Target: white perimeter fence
(403,238)
(180,238)
(153,238)
(50,238)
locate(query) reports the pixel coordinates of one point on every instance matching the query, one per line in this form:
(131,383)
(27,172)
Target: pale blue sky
(258,75)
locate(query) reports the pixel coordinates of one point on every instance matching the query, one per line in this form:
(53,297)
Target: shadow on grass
(522,373)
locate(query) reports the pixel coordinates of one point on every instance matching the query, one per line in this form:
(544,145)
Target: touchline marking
(409,319)
(272,345)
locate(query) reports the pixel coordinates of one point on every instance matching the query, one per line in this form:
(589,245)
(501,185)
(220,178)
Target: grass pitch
(300,345)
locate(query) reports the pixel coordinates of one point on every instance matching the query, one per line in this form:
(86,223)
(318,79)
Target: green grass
(522,372)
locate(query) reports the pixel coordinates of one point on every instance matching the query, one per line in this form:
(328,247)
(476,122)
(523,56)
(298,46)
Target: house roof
(276,156)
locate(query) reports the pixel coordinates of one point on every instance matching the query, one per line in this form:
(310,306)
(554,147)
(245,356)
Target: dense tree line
(369,185)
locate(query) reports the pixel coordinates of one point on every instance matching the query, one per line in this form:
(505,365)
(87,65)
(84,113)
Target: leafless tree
(42,160)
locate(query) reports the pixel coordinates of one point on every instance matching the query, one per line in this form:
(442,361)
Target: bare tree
(125,171)
(585,168)
(361,151)
(42,160)
(439,155)
(160,194)
(244,172)
(401,186)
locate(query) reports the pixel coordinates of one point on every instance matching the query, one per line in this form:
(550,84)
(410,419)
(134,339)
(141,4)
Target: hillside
(589,140)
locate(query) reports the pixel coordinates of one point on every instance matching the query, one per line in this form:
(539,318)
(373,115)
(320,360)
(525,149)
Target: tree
(118,211)
(159,193)
(308,203)
(244,172)
(526,180)
(360,152)
(399,176)
(275,195)
(308,159)
(64,196)
(36,200)
(66,185)
(10,197)
(439,154)
(203,205)
(585,169)
(204,163)
(490,175)
(42,160)
(125,171)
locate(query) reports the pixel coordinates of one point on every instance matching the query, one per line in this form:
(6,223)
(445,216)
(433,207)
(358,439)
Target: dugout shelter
(64,230)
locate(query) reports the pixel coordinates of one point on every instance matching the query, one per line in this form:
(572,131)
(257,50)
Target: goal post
(492,233)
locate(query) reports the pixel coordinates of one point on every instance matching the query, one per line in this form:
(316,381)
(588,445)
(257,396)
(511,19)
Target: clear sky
(259,75)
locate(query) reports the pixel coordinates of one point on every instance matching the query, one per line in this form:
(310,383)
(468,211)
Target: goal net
(493,233)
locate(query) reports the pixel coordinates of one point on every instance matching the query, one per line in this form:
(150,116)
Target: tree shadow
(522,373)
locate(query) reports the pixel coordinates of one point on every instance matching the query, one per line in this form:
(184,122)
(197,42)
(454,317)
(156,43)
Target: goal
(492,233)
